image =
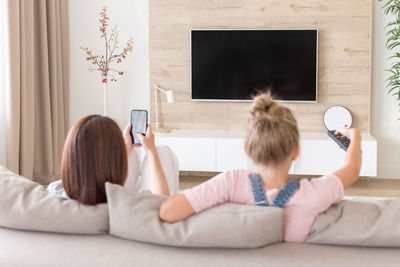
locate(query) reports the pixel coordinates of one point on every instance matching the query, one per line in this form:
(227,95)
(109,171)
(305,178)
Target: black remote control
(340,139)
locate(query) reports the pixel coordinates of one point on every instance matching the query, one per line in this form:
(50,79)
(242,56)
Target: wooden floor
(370,187)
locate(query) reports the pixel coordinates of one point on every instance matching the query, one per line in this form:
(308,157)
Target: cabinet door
(231,155)
(319,157)
(323,156)
(193,154)
(369,158)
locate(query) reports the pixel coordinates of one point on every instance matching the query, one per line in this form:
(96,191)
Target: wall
(2,83)
(385,115)
(344,56)
(131,89)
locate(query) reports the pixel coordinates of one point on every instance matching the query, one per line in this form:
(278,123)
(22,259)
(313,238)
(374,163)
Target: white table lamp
(170,99)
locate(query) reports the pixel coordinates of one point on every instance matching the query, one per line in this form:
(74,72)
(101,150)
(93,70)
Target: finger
(149,130)
(140,136)
(128,128)
(137,145)
(340,130)
(346,132)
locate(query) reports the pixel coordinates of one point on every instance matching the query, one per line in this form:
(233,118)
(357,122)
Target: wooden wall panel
(344,58)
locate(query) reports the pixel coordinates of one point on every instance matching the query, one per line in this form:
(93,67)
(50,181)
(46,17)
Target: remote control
(340,139)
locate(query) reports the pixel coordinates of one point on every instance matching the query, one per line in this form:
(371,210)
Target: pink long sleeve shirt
(313,197)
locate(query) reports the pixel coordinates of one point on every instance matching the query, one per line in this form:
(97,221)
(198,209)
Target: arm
(176,208)
(350,171)
(225,187)
(158,183)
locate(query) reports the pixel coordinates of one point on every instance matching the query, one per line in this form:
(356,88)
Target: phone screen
(139,124)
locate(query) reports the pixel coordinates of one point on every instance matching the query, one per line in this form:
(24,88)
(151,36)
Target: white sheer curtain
(3,20)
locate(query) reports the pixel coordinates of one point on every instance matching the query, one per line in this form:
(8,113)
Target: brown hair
(94,153)
(272,133)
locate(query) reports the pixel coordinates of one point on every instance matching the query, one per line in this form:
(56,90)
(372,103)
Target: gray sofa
(39,229)
(26,248)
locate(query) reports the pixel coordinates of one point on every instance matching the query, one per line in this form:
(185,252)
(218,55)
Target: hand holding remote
(348,132)
(340,139)
(353,157)
(343,136)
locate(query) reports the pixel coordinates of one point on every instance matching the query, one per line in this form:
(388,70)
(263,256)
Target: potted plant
(393,45)
(105,63)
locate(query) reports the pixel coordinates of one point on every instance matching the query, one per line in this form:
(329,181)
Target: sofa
(37,229)
(27,248)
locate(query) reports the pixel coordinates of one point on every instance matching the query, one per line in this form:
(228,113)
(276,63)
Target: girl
(95,152)
(272,143)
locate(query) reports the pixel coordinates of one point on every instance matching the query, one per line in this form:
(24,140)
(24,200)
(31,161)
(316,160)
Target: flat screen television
(234,65)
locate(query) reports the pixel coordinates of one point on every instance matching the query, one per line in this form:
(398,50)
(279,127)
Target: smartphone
(139,124)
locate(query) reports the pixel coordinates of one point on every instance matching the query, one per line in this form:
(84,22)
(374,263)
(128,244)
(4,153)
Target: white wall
(131,90)
(3,40)
(385,125)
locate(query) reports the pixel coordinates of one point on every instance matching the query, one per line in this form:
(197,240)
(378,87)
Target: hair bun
(263,106)
(272,131)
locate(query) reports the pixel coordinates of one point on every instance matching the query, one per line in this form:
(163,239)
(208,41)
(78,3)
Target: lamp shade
(170,96)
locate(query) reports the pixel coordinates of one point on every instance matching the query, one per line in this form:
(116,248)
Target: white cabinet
(370,157)
(320,155)
(219,151)
(194,154)
(229,153)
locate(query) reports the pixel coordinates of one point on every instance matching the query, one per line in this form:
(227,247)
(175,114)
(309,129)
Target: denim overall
(283,196)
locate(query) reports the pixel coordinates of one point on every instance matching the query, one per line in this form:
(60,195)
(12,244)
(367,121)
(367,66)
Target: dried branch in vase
(103,63)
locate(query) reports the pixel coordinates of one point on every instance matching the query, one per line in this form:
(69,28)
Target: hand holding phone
(139,124)
(148,140)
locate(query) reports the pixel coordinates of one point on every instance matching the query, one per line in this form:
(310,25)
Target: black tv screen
(234,65)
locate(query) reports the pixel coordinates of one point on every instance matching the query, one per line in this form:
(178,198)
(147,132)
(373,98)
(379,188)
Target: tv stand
(219,151)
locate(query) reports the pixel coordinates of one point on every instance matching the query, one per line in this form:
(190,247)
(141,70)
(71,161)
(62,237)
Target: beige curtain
(36,92)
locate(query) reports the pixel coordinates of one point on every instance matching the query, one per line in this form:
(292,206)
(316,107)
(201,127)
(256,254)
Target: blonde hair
(272,134)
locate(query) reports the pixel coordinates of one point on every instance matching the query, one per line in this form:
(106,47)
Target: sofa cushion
(135,216)
(27,205)
(359,223)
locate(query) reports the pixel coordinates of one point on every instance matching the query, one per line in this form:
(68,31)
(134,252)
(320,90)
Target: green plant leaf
(393,89)
(388,3)
(392,43)
(391,46)
(394,56)
(393,23)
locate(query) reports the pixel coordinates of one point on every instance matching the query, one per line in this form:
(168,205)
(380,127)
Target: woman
(96,152)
